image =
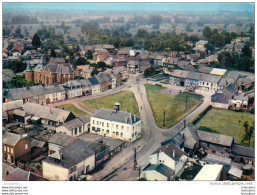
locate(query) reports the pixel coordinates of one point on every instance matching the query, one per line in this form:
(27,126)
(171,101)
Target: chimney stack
(174,154)
(61,156)
(117,107)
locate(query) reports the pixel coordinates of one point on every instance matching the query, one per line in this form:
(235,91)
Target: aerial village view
(128,92)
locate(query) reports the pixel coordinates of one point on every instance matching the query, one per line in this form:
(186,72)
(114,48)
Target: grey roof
(220,98)
(72,154)
(218,159)
(7,74)
(182,63)
(190,136)
(241,97)
(93,81)
(119,116)
(54,114)
(229,46)
(62,139)
(6,168)
(215,138)
(11,138)
(4,114)
(243,151)
(72,84)
(39,68)
(28,68)
(102,77)
(160,168)
(233,75)
(205,69)
(37,143)
(20,113)
(24,92)
(22,175)
(84,119)
(239,45)
(12,105)
(196,76)
(72,124)
(63,68)
(168,150)
(85,82)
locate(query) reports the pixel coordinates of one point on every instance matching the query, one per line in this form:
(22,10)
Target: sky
(10,7)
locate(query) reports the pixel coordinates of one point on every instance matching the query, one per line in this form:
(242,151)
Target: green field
(73,109)
(175,106)
(126,99)
(228,122)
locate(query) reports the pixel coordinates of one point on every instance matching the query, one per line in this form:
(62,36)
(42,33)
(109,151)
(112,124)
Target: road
(120,167)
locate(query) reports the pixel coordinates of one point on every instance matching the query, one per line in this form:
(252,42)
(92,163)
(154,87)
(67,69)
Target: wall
(153,176)
(54,173)
(219,105)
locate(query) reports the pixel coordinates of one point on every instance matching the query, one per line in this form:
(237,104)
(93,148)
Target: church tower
(29,76)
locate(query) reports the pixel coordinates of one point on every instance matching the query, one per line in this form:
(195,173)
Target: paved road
(120,167)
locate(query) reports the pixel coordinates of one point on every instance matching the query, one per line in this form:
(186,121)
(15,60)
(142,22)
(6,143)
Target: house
(86,87)
(22,175)
(110,61)
(229,48)
(86,71)
(119,62)
(15,147)
(220,100)
(116,124)
(58,141)
(215,143)
(245,84)
(170,156)
(124,72)
(200,81)
(235,172)
(238,47)
(170,62)
(72,89)
(100,55)
(9,107)
(242,154)
(21,116)
(104,80)
(78,71)
(115,75)
(95,85)
(157,172)
(69,162)
(210,173)
(133,66)
(73,127)
(51,117)
(101,152)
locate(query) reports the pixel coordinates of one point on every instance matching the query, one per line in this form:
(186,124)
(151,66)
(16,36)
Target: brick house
(15,147)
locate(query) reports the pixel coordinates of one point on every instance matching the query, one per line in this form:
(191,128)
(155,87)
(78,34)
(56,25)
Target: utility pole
(164,119)
(139,172)
(184,123)
(135,158)
(186,102)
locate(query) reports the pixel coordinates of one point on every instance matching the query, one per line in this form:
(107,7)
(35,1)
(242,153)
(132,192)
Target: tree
(248,132)
(53,54)
(94,72)
(17,66)
(81,61)
(207,33)
(225,59)
(89,54)
(36,41)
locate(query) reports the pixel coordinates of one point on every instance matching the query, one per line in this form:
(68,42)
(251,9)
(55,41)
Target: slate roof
(93,81)
(160,168)
(215,138)
(28,68)
(63,68)
(205,69)
(37,143)
(233,75)
(39,68)
(72,84)
(120,116)
(218,159)
(54,114)
(7,74)
(84,119)
(62,139)
(190,136)
(243,151)
(196,76)
(12,105)
(168,150)
(20,113)
(6,168)
(11,138)
(102,77)
(22,175)
(72,124)
(72,154)
(85,83)
(220,98)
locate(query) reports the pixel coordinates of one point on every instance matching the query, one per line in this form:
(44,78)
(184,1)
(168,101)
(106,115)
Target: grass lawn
(73,109)
(228,122)
(126,99)
(174,105)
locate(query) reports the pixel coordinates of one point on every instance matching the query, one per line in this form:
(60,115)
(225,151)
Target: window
(102,123)
(122,127)
(117,126)
(117,133)
(11,150)
(135,133)
(8,149)
(93,128)
(127,128)
(93,121)
(26,146)
(107,124)
(97,122)
(121,134)
(133,128)
(132,134)
(98,129)
(102,129)
(5,148)
(79,129)
(107,131)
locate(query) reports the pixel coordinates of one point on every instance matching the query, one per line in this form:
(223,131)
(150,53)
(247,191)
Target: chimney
(174,154)
(117,107)
(158,157)
(135,118)
(126,119)
(61,156)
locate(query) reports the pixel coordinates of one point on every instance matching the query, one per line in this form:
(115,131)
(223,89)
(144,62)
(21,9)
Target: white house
(210,173)
(170,156)
(116,124)
(69,162)
(95,85)
(73,89)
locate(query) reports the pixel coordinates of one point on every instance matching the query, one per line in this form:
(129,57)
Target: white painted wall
(153,176)
(54,173)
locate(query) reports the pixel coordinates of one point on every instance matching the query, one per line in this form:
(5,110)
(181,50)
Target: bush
(204,128)
(200,116)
